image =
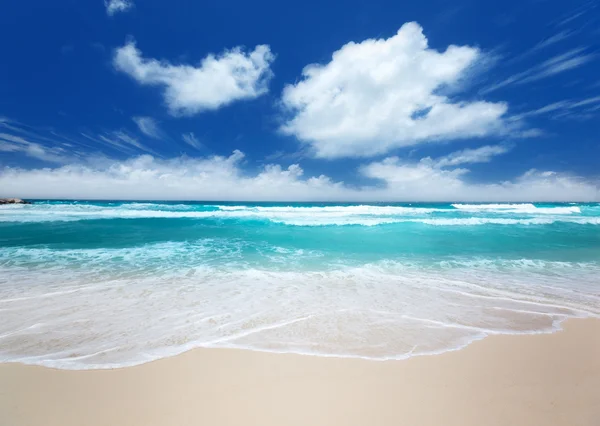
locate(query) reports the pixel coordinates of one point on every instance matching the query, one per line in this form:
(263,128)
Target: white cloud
(121,139)
(116,6)
(564,107)
(192,140)
(570,18)
(382,94)
(217,81)
(427,182)
(483,154)
(12,143)
(53,147)
(543,44)
(223,178)
(586,102)
(558,37)
(560,63)
(555,65)
(148,126)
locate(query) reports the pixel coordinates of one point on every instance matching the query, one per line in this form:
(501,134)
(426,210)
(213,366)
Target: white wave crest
(362,215)
(346,210)
(469,221)
(517,208)
(295,219)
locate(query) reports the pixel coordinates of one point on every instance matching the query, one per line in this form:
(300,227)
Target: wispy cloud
(560,63)
(148,126)
(12,143)
(192,140)
(103,141)
(287,156)
(482,154)
(587,101)
(540,46)
(555,65)
(571,18)
(117,6)
(48,145)
(576,13)
(558,37)
(123,140)
(566,108)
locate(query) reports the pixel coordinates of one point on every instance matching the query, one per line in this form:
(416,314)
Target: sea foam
(361,215)
(110,284)
(110,308)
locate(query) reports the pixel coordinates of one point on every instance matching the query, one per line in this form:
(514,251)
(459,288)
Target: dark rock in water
(13,201)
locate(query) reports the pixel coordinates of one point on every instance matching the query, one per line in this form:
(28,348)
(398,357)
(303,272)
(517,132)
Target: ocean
(110,284)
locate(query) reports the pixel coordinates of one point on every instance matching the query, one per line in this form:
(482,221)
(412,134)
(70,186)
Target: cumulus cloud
(224,178)
(382,94)
(147,177)
(148,126)
(427,181)
(216,81)
(116,6)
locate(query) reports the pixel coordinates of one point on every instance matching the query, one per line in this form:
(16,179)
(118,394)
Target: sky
(434,100)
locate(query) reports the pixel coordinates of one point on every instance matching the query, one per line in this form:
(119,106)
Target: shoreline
(557,326)
(542,378)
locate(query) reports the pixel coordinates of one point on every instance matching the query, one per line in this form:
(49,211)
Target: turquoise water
(109,284)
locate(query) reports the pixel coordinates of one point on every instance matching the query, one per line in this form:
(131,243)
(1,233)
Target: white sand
(502,380)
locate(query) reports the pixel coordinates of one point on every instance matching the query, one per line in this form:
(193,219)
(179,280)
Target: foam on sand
(105,316)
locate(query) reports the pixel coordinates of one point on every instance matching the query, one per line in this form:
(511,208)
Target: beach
(191,313)
(539,379)
(295,214)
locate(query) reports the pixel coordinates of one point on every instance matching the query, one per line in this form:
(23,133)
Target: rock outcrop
(13,201)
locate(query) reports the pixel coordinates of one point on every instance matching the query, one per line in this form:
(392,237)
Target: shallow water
(108,284)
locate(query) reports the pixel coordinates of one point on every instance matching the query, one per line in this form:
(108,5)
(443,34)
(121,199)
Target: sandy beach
(340,213)
(545,379)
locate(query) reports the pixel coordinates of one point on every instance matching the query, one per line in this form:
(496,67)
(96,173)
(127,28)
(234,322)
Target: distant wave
(303,220)
(358,209)
(497,206)
(517,208)
(467,221)
(353,215)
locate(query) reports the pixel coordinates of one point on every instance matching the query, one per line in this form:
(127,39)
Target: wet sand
(545,379)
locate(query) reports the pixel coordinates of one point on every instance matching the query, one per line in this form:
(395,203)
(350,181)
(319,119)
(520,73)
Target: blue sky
(429,100)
